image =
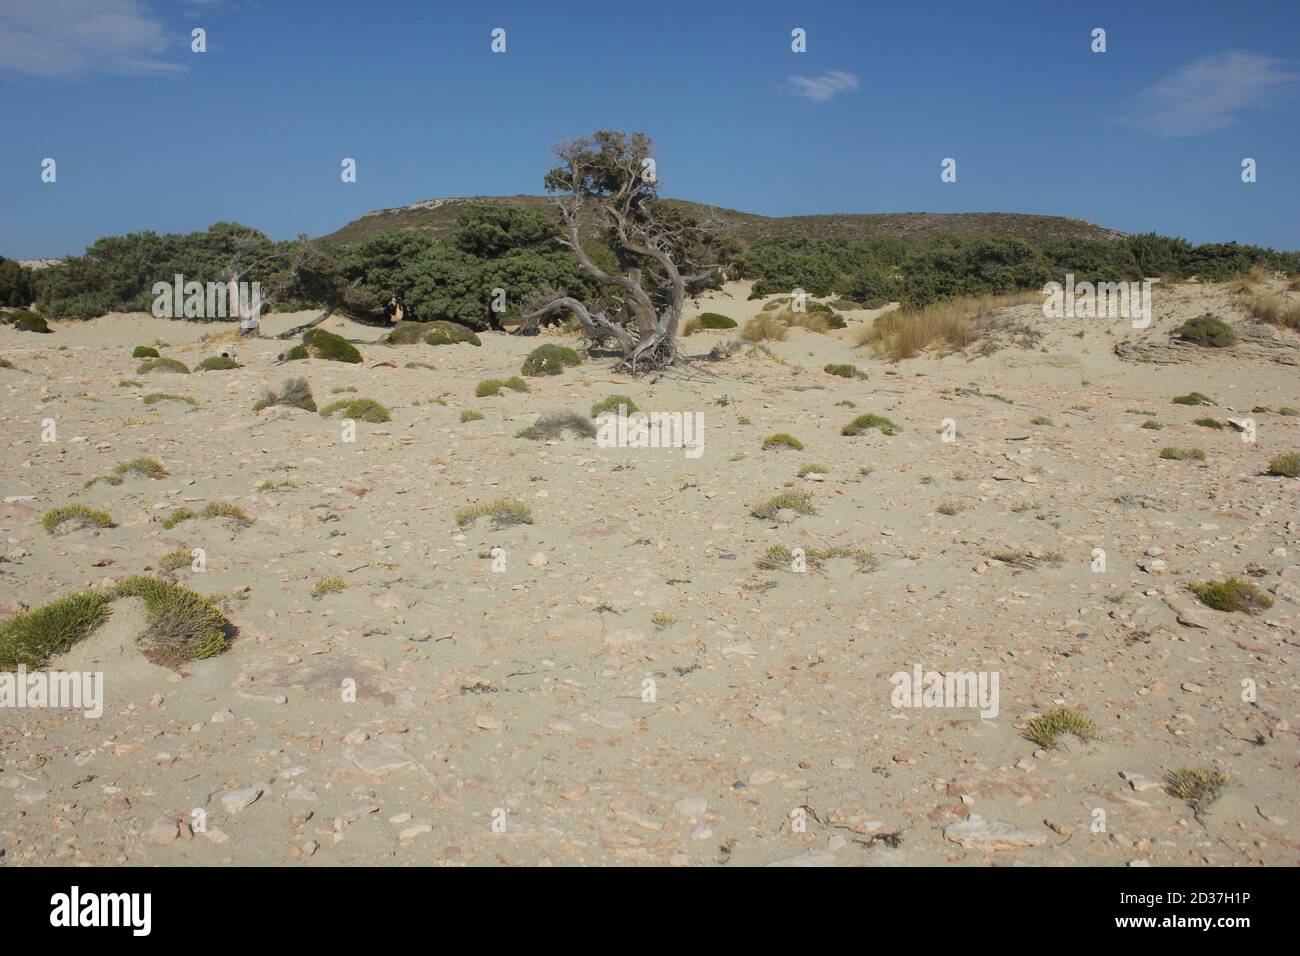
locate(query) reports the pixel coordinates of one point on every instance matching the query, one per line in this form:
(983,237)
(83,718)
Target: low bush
(162,365)
(294,392)
(1232,594)
(550,360)
(57,520)
(864,423)
(1208,330)
(365,409)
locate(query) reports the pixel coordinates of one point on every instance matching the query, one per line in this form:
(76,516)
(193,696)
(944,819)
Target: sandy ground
(504,718)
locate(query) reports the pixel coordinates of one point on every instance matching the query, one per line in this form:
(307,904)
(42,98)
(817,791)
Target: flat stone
(991,835)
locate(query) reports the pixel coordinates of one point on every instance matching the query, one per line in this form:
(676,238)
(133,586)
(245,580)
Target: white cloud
(69,37)
(819,89)
(1205,95)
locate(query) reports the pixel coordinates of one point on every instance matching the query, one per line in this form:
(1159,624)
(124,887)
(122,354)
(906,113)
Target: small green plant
(470,415)
(174,561)
(176,517)
(714,320)
(144,351)
(950,508)
(319,344)
(864,423)
(327,585)
(662,620)
(1208,330)
(843,371)
(493,386)
(153,398)
(1288,411)
(781,558)
(550,360)
(25,321)
(1198,787)
(221,509)
(1041,420)
(270,485)
(57,520)
(556,424)
(1193,398)
(450,333)
(1285,466)
(812,469)
(141,468)
(797,501)
(181,625)
(364,409)
(162,365)
(31,638)
(1045,729)
(1152,425)
(504,512)
(1210,423)
(217,363)
(1233,594)
(1182,454)
(612,404)
(782,440)
(294,392)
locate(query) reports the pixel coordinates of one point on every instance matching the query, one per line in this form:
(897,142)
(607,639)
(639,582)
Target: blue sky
(1149,135)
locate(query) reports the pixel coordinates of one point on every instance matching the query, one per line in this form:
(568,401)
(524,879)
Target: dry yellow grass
(1275,309)
(763,327)
(955,324)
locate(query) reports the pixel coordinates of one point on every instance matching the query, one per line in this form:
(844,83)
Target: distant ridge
(438,217)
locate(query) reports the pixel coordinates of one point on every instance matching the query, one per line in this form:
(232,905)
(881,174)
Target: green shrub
(812,469)
(503,512)
(1182,454)
(220,509)
(365,409)
(864,423)
(1194,398)
(470,415)
(162,365)
(77,515)
(1198,787)
(297,353)
(1208,330)
(1057,722)
(327,586)
(141,467)
(153,398)
(31,638)
(1232,594)
(144,351)
(1210,423)
(317,343)
(781,558)
(493,386)
(174,561)
(217,363)
(294,392)
(844,371)
(550,360)
(782,440)
(612,403)
(797,501)
(1285,466)
(176,517)
(25,321)
(715,320)
(1152,425)
(407,333)
(1288,411)
(181,625)
(450,333)
(556,424)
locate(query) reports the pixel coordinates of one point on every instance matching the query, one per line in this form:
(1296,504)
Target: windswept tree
(660,252)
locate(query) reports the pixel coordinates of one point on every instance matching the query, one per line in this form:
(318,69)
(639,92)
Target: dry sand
(500,718)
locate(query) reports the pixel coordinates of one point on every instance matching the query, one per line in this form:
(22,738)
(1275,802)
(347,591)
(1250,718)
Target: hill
(438,217)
